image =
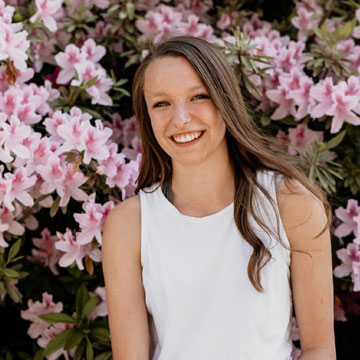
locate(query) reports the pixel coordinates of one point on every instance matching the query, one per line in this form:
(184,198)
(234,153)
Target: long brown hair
(248,148)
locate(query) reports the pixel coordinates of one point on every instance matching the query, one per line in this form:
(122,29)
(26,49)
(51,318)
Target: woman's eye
(160,104)
(201,96)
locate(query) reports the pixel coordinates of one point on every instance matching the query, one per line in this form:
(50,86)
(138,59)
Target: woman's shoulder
(125,210)
(124,222)
(301,212)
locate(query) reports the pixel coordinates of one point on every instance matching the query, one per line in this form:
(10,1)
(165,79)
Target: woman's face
(185,121)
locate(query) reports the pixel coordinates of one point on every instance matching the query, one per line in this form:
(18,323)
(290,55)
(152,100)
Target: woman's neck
(203,189)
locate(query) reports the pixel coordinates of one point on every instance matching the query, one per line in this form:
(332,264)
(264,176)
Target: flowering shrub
(69,148)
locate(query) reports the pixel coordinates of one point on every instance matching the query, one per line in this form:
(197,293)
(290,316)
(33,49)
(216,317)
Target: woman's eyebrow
(161,93)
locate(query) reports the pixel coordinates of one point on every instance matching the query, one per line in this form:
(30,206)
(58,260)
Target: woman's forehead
(170,72)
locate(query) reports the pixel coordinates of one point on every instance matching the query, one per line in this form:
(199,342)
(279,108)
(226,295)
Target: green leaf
(334,173)
(82,297)
(13,293)
(73,338)
(89,350)
(55,207)
(10,273)
(312,173)
(9,356)
(324,183)
(321,147)
(89,83)
(347,30)
(39,355)
(79,351)
(130,8)
(14,250)
(100,333)
(53,318)
(329,177)
(318,33)
(56,343)
(335,141)
(90,305)
(265,120)
(104,356)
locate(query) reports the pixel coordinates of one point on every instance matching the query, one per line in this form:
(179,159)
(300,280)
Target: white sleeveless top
(200,301)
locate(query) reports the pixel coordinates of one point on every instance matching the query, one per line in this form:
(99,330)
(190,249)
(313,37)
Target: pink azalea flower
(92,222)
(149,26)
(43,53)
(117,128)
(52,124)
(10,100)
(48,334)
(46,252)
(348,256)
(129,130)
(93,141)
(86,71)
(108,166)
(122,176)
(67,61)
(98,91)
(39,308)
(39,153)
(93,52)
(303,20)
(71,132)
(19,184)
(53,173)
(132,153)
(351,87)
(26,113)
(321,94)
(224,21)
(301,97)
(73,251)
(348,216)
(3,228)
(342,110)
(13,226)
(46,10)
(6,12)
(101,307)
(280,96)
(13,44)
(301,137)
(70,186)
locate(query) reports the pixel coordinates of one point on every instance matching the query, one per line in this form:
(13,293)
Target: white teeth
(186,138)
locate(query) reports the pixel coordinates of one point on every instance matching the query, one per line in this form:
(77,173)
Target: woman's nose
(181,115)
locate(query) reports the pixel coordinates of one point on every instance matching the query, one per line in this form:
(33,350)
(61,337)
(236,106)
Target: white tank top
(200,301)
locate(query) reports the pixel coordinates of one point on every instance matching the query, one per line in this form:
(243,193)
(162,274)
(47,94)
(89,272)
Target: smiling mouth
(187,138)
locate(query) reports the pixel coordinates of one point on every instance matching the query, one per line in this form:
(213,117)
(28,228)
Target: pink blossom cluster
(41,330)
(164,20)
(350,256)
(13,42)
(290,90)
(83,63)
(308,15)
(47,11)
(298,138)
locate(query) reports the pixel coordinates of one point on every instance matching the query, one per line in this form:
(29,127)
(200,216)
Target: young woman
(198,266)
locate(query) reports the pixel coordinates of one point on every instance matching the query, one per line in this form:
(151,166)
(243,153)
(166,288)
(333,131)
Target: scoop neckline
(175,211)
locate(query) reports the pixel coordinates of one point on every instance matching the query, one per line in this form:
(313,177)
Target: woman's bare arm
(304,218)
(123,282)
